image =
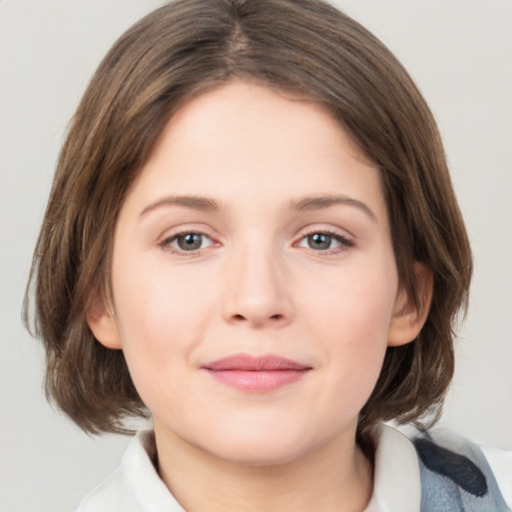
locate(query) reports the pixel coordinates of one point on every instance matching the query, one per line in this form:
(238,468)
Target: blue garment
(455,477)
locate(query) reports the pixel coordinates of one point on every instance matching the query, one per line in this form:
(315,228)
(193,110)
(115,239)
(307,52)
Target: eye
(187,242)
(324,241)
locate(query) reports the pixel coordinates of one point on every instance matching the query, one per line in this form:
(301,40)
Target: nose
(258,294)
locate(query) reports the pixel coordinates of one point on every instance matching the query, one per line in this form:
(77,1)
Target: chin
(259,454)
(261,446)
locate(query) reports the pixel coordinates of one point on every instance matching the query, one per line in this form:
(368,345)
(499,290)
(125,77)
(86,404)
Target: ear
(409,318)
(102,322)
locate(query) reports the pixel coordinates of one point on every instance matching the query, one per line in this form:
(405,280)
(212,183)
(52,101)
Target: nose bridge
(257,292)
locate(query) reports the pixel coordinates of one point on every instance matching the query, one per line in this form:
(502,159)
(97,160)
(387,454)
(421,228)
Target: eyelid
(346,242)
(169,236)
(345,239)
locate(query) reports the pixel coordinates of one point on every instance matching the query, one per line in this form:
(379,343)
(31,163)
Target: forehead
(242,140)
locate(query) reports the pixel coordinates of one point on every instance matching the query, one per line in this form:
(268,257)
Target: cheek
(161,319)
(352,315)
(158,303)
(358,300)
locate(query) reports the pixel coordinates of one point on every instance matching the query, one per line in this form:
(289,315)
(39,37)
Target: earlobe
(102,322)
(409,317)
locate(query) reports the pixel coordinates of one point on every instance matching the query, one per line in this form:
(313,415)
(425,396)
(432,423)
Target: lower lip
(257,381)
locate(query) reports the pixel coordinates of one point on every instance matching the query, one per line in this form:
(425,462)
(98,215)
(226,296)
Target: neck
(334,477)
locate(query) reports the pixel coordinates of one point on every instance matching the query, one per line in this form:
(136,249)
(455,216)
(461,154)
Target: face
(254,283)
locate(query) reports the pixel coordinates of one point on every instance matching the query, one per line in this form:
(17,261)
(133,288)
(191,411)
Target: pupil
(319,241)
(189,242)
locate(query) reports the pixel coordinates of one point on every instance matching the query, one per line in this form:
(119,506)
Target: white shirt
(136,487)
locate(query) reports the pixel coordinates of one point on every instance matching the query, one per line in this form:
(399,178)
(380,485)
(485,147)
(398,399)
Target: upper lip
(245,362)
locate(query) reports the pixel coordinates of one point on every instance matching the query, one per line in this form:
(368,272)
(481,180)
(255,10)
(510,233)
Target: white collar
(397,484)
(138,466)
(136,485)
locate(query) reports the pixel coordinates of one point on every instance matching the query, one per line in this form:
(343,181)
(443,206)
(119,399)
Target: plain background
(460,54)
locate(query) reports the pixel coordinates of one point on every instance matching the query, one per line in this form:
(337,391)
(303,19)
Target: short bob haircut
(303,48)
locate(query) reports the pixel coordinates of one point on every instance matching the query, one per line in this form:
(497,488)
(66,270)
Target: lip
(256,374)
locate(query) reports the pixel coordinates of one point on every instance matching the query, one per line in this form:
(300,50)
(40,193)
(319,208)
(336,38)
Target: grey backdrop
(460,54)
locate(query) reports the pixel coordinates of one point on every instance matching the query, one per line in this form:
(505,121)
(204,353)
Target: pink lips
(256,374)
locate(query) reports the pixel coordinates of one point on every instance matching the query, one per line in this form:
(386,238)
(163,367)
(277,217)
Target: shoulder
(110,496)
(433,471)
(135,485)
(456,473)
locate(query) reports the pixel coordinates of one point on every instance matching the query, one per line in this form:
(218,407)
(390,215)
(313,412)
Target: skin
(257,284)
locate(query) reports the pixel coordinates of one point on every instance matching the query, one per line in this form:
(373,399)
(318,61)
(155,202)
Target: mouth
(256,374)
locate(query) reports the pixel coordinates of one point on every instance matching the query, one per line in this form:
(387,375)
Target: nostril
(239,317)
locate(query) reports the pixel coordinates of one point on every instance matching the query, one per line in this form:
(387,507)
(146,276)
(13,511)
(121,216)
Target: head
(304,50)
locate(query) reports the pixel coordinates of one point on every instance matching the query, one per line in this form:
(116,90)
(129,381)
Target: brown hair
(185,48)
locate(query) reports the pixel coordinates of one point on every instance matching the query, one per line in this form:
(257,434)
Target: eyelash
(344,242)
(166,243)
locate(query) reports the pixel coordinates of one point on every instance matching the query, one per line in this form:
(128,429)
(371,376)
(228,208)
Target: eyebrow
(307,203)
(193,202)
(320,202)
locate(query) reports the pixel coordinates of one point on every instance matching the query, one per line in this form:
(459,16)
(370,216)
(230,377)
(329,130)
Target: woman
(252,236)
